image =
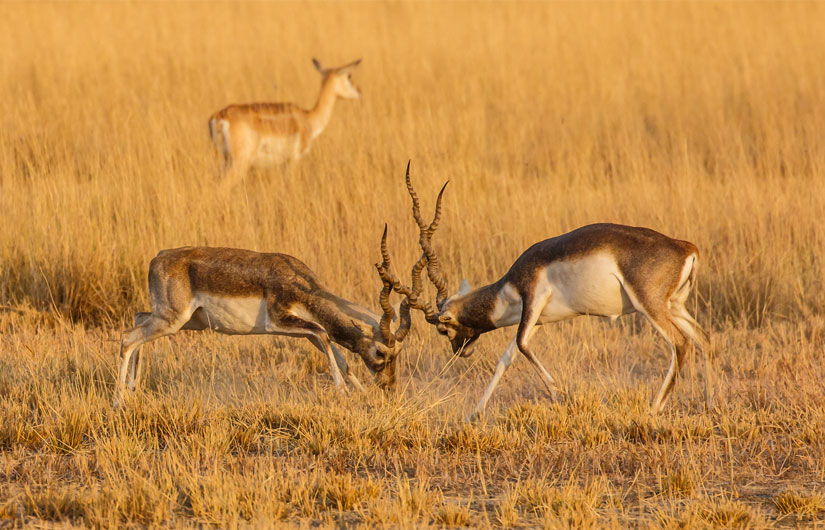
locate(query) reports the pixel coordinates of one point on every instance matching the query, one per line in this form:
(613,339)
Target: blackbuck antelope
(268,134)
(601,269)
(240,292)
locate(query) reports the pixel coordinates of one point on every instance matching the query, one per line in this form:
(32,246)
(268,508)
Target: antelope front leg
(149,328)
(531,311)
(344,367)
(503,363)
(320,340)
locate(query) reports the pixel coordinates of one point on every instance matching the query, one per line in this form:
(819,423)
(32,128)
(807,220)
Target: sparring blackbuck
(240,292)
(268,134)
(602,269)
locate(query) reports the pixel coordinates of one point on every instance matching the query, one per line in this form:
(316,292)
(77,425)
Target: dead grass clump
(812,432)
(636,430)
(118,452)
(587,405)
(591,436)
(146,501)
(570,501)
(794,502)
(173,419)
(345,492)
(69,430)
(317,428)
(165,420)
(245,434)
(471,438)
(224,499)
(302,494)
(677,483)
(382,513)
(646,429)
(452,514)
(212,500)
(64,503)
(16,427)
(506,510)
(728,513)
(401,428)
(686,520)
(418,498)
(690,427)
(542,423)
(262,499)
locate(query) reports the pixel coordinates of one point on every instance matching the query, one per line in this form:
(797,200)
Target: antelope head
(341,79)
(386,343)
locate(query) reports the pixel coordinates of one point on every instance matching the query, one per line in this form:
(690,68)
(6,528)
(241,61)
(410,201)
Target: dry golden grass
(703,121)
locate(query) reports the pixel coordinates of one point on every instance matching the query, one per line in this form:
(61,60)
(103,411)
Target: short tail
(692,331)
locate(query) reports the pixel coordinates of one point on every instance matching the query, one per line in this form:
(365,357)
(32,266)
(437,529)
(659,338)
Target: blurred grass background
(702,121)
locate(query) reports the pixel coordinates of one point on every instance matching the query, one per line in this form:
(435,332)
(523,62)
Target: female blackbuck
(241,292)
(601,269)
(268,134)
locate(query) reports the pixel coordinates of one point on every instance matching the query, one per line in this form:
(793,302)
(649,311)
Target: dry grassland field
(703,121)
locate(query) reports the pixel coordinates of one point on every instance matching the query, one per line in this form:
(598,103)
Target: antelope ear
(349,68)
(353,64)
(445,318)
(464,288)
(317,64)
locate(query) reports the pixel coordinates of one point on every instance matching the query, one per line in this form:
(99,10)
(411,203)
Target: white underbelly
(274,150)
(587,286)
(234,315)
(591,285)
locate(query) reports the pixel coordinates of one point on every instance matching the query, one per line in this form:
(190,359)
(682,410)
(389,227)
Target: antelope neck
(337,315)
(322,111)
(477,308)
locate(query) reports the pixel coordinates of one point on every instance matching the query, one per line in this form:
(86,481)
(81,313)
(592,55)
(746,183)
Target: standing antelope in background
(240,292)
(601,269)
(268,134)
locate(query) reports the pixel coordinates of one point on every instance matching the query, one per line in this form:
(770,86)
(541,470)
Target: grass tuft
(794,502)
